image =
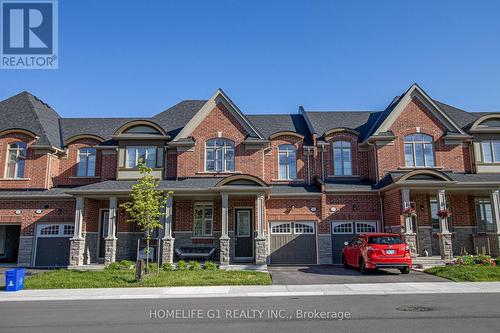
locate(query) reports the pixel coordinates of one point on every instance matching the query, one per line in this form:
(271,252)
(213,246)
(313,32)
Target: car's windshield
(385,240)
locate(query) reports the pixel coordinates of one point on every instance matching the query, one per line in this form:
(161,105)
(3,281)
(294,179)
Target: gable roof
(218,97)
(269,124)
(25,111)
(176,117)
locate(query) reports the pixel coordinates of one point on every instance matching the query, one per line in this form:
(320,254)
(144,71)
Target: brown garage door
(293,243)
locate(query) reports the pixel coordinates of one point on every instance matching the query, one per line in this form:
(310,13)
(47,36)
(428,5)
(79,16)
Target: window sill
(84,177)
(15,179)
(420,167)
(343,176)
(219,173)
(297,180)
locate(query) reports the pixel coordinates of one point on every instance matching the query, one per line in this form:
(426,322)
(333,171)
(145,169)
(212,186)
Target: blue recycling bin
(14,279)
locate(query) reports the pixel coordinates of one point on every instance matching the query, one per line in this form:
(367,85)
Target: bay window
(219,155)
(16,158)
(138,155)
(287,162)
(419,151)
(342,161)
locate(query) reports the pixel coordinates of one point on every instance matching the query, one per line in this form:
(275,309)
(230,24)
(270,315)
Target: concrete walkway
(252,291)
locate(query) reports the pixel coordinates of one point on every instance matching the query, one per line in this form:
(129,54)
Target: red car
(372,251)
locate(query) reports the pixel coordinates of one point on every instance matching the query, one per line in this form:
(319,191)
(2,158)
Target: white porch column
(225,255)
(405,194)
(495,207)
(167,251)
(445,241)
(443,222)
(77,242)
(110,241)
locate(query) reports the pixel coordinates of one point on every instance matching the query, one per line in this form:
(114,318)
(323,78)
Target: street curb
(252,291)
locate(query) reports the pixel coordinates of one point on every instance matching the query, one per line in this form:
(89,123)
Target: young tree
(146,205)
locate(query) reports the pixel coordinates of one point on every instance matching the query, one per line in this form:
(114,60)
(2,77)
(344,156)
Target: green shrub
(194,265)
(497,261)
(153,267)
(182,265)
(470,260)
(210,266)
(124,265)
(167,267)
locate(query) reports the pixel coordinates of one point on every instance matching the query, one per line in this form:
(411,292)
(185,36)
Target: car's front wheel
(362,266)
(405,270)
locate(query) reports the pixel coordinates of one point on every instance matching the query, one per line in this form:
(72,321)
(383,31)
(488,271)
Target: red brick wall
(109,165)
(36,167)
(68,165)
(448,157)
(58,211)
(393,206)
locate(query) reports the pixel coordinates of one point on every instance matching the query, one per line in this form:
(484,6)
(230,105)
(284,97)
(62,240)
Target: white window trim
(60,232)
(494,159)
(275,224)
(78,160)
(288,162)
(136,155)
(224,166)
(335,224)
(16,169)
(371,223)
(203,205)
(414,154)
(307,223)
(342,171)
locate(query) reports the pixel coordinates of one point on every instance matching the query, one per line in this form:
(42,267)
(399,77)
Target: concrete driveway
(340,275)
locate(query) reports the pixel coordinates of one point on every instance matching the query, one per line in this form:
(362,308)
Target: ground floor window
(484,216)
(203,219)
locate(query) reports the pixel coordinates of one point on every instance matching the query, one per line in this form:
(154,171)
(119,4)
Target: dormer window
(138,155)
(419,151)
(342,160)
(287,162)
(15,160)
(219,155)
(490,151)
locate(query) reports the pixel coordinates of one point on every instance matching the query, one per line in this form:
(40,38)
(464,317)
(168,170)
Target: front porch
(229,219)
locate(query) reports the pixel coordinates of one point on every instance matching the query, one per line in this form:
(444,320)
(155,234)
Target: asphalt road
(396,313)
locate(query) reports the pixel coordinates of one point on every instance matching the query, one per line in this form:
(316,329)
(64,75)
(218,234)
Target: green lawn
(119,279)
(461,273)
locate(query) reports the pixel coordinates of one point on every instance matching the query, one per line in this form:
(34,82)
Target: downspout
(308,169)
(382,222)
(322,164)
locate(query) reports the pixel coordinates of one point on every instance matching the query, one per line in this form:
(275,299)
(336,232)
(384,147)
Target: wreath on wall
(444,213)
(409,212)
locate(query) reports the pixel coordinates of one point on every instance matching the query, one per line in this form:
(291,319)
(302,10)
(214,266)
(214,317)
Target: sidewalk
(252,291)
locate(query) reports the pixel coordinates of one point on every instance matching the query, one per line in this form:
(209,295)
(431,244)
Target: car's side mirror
(346,243)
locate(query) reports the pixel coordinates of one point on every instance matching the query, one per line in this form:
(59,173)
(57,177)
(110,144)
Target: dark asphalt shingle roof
(458,178)
(348,186)
(27,112)
(175,118)
(125,185)
(54,192)
(270,124)
(294,189)
(103,127)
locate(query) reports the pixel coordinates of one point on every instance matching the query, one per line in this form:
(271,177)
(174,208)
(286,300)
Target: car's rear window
(385,240)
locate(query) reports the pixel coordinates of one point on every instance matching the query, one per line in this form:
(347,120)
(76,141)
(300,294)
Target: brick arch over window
(359,159)
(271,158)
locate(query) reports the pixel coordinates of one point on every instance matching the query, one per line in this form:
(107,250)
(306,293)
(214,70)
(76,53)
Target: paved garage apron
(293,243)
(52,245)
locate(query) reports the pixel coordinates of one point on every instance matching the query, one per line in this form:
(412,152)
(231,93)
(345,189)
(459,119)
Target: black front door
(243,231)
(103,233)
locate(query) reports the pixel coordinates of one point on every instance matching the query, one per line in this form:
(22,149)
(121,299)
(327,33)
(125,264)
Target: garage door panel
(293,248)
(344,231)
(338,245)
(52,251)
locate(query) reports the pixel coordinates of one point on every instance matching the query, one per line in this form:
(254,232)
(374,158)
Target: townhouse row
(264,189)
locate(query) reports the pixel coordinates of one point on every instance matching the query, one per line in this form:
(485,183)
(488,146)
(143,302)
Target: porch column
(445,242)
(260,240)
(167,251)
(224,238)
(409,233)
(77,242)
(495,207)
(110,241)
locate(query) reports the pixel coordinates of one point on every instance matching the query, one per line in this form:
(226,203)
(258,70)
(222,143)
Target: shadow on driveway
(329,274)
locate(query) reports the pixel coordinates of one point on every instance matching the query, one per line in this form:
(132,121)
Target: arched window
(219,155)
(15,160)
(419,151)
(342,162)
(287,162)
(86,162)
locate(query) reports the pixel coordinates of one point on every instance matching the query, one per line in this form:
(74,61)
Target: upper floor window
(287,162)
(419,150)
(86,162)
(490,151)
(15,160)
(138,155)
(342,161)
(219,155)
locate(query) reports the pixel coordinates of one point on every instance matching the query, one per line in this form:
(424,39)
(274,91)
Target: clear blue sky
(136,58)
